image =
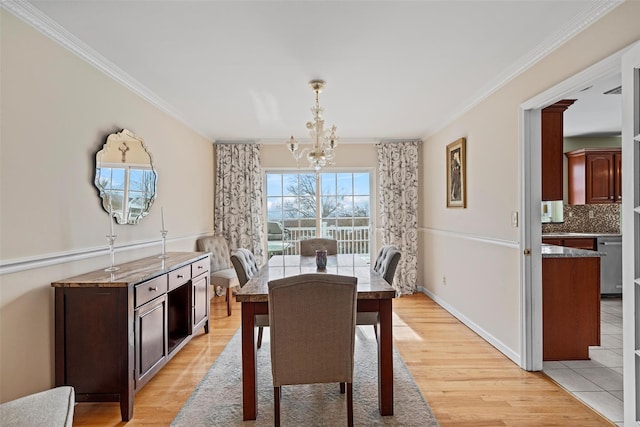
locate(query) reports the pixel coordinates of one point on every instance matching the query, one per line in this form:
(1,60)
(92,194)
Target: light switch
(514,219)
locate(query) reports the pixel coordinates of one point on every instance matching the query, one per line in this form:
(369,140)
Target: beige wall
(477,248)
(56,113)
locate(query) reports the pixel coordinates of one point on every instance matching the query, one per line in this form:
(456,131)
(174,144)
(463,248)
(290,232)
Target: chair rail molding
(17,265)
(474,237)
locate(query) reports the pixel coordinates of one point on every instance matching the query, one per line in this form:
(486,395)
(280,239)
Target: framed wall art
(457,174)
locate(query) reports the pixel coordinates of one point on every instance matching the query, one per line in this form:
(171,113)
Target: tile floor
(597,382)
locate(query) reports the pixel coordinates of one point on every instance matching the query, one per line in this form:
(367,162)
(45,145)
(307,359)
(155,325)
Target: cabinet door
(600,178)
(200,301)
(580,243)
(617,161)
(151,339)
(552,164)
(552,241)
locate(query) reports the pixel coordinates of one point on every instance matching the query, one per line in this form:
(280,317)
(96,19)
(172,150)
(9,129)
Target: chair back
(312,320)
(386,262)
(275,231)
(245,265)
(310,246)
(219,249)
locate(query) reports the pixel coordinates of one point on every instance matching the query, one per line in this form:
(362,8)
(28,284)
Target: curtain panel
(398,204)
(238,198)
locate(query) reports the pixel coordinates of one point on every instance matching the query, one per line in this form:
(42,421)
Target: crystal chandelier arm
(323,144)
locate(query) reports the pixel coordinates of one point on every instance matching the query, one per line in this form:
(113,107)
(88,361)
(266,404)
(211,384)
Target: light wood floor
(465,380)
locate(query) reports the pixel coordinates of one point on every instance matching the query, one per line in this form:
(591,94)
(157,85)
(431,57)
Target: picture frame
(457,174)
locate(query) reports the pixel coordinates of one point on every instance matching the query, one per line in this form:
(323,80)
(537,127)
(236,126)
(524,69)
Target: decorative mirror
(125,177)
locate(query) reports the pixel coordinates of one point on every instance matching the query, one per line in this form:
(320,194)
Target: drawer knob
(154,289)
(200,267)
(179,276)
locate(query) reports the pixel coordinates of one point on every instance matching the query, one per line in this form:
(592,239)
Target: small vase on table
(321,259)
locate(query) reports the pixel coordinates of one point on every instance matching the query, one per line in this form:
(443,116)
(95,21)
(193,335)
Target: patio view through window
(331,205)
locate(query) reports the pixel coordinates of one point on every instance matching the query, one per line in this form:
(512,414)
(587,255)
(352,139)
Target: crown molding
(41,22)
(551,43)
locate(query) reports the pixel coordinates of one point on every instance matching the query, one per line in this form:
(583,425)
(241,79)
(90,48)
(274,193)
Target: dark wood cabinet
(588,243)
(570,307)
(115,331)
(595,175)
(617,163)
(552,148)
(151,339)
(200,301)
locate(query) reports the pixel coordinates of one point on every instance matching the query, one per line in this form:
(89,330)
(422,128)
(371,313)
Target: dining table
(374,295)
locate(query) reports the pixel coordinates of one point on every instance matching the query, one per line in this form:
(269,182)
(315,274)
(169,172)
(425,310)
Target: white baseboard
(475,328)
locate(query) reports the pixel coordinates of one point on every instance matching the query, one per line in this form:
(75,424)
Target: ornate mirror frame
(125,177)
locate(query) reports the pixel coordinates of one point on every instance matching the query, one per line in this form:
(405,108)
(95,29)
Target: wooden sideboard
(114,331)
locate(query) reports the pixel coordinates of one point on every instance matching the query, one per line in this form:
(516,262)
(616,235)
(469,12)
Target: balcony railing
(352,240)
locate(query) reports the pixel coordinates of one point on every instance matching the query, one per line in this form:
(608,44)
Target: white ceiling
(236,70)
(595,113)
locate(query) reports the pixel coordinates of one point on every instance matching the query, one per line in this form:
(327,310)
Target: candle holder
(112,238)
(164,244)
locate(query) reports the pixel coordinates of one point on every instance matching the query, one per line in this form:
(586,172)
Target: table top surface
(371,285)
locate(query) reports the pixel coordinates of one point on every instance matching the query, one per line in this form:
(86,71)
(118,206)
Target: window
(340,210)
(131,189)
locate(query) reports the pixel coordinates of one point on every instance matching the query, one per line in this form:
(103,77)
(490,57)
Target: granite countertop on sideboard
(585,235)
(553,251)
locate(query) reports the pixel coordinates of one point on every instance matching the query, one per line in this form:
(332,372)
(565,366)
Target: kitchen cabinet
(552,143)
(570,307)
(595,175)
(115,330)
(572,242)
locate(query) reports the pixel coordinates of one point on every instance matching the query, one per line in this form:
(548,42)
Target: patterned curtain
(398,201)
(238,202)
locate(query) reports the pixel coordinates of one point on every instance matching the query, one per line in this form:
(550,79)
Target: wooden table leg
(385,358)
(249,363)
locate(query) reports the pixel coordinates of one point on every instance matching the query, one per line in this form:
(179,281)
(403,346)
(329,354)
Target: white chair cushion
(47,408)
(226,278)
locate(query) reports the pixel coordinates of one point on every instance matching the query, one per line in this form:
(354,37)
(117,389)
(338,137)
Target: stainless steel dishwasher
(610,265)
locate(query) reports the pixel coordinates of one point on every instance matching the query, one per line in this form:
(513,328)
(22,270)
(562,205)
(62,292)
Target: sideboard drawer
(179,277)
(151,289)
(199,267)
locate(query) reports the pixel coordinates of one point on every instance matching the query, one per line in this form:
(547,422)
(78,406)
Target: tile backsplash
(604,218)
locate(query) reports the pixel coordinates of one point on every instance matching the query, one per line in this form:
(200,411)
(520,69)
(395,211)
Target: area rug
(217,401)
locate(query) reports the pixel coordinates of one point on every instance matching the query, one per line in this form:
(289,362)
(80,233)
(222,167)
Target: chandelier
(324,141)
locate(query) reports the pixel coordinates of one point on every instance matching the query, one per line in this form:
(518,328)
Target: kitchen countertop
(586,235)
(553,251)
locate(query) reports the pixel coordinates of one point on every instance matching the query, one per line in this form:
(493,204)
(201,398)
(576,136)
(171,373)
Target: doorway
(531,232)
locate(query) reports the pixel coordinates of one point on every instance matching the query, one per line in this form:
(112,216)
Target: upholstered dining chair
(309,247)
(385,265)
(221,271)
(246,267)
(312,330)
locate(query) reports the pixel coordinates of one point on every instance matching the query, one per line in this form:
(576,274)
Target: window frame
(373,211)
